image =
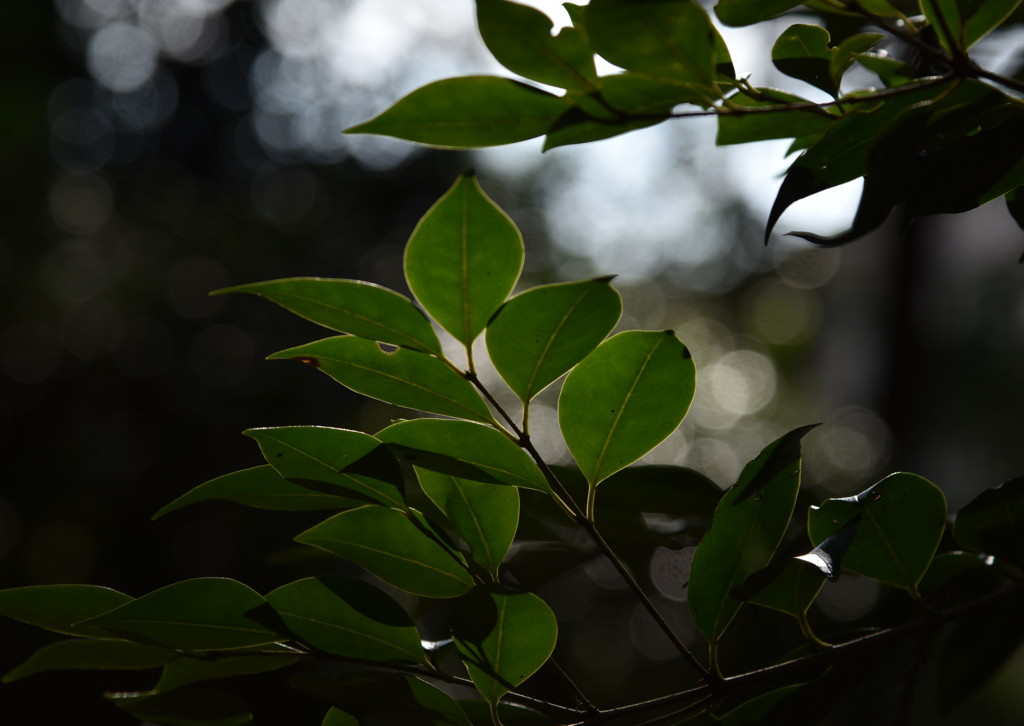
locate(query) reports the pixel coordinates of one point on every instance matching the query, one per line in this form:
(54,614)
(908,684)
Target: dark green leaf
(624,399)
(520,39)
(392,547)
(352,461)
(827,557)
(892,71)
(741,127)
(206,613)
(993,522)
(403,377)
(347,617)
(261,487)
(945,19)
(847,52)
(380,699)
(486,516)
(982,18)
(468,112)
(1015,205)
(803,52)
(463,449)
(902,520)
(753,711)
(463,259)
(792,591)
(337,717)
(747,528)
(60,608)
(92,654)
(956,578)
(576,127)
(503,638)
(748,12)
(351,306)
(186,707)
(193,668)
(633,93)
(479,714)
(540,334)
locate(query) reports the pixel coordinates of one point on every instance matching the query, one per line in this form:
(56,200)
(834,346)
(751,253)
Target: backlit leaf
(993,522)
(388,544)
(60,608)
(91,654)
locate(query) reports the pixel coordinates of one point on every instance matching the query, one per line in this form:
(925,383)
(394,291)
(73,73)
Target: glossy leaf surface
(993,522)
(463,259)
(350,461)
(206,613)
(748,526)
(463,449)
(351,306)
(624,399)
(392,547)
(403,377)
(185,707)
(540,334)
(902,519)
(503,638)
(468,112)
(60,608)
(91,654)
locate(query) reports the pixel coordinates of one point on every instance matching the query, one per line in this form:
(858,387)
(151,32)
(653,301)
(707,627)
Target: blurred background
(154,150)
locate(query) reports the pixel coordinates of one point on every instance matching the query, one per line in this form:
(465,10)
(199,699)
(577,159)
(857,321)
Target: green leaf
(187,707)
(993,522)
(624,399)
(92,654)
(747,528)
(891,71)
(740,128)
(463,259)
(351,306)
(347,617)
(945,19)
(463,449)
(847,52)
(60,608)
(748,12)
(981,18)
(403,377)
(486,516)
(188,669)
(577,127)
(503,638)
(661,38)
(468,112)
(540,334)
(803,52)
(206,613)
(392,547)
(380,699)
(902,518)
(261,487)
(480,712)
(315,456)
(633,93)
(792,591)
(520,39)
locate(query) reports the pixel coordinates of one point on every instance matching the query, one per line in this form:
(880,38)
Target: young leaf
(463,449)
(748,12)
(748,526)
(463,259)
(347,617)
(186,707)
(468,112)
(503,638)
(486,516)
(60,608)
(803,52)
(351,306)
(520,39)
(91,654)
(624,399)
(540,334)
(403,377)
(261,487)
(993,522)
(902,520)
(351,461)
(187,669)
(206,613)
(392,547)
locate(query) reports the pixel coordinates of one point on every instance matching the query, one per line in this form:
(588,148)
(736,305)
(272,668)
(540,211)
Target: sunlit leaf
(503,638)
(902,519)
(187,669)
(993,522)
(748,12)
(748,526)
(347,617)
(185,707)
(540,334)
(351,461)
(468,112)
(403,377)
(463,449)
(60,608)
(463,259)
(351,306)
(520,39)
(392,547)
(206,613)
(624,399)
(91,654)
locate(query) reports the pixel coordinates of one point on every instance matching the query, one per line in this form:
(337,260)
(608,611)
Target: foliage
(453,525)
